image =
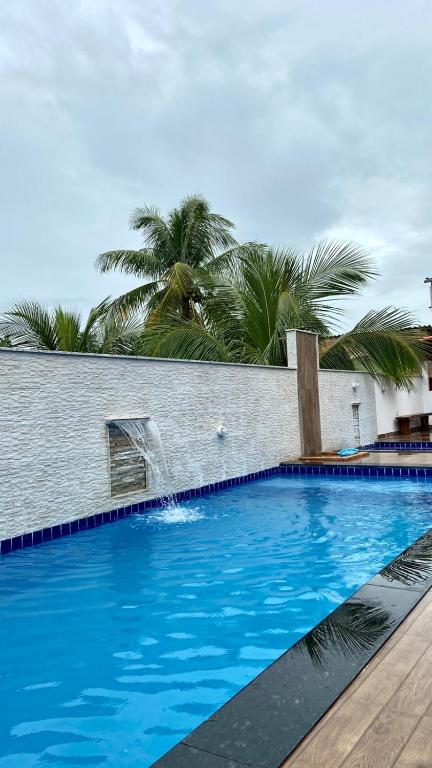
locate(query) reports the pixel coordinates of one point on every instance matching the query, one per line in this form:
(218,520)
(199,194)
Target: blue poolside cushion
(348,452)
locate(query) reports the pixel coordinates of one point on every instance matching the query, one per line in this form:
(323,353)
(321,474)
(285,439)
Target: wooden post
(302,354)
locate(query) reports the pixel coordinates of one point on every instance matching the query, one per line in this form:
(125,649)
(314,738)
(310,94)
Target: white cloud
(295,119)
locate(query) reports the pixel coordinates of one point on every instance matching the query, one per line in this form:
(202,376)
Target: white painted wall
(54,463)
(392,402)
(336,398)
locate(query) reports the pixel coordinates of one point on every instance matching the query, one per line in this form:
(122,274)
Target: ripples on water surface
(118,641)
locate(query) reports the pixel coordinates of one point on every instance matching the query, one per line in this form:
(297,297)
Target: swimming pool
(118,641)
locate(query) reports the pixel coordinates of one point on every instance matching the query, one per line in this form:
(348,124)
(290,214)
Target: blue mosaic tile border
(361,470)
(102,518)
(403,445)
(94,521)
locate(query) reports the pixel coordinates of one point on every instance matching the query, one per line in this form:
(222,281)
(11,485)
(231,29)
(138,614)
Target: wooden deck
(384,718)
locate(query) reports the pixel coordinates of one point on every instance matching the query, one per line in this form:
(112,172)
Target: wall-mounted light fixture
(429,280)
(221,431)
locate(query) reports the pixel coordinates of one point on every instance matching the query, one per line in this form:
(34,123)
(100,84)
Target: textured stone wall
(336,398)
(54,442)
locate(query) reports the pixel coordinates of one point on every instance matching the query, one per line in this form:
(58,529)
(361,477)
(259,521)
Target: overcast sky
(297,119)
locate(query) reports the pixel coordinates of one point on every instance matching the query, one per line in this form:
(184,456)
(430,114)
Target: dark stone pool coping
(287,468)
(266,720)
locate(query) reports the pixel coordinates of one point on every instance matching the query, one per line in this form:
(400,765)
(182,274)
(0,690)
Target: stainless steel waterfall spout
(112,420)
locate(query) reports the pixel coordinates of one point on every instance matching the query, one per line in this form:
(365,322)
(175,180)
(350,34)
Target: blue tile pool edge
(400,445)
(360,470)
(102,518)
(59,530)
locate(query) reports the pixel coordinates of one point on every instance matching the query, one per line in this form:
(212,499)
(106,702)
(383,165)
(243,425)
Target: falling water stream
(145,438)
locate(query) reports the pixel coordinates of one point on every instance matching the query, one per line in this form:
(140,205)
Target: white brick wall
(54,449)
(336,398)
(54,453)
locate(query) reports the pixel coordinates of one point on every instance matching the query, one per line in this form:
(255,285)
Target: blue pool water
(118,641)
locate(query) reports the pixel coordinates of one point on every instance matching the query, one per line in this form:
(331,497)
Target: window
(128,471)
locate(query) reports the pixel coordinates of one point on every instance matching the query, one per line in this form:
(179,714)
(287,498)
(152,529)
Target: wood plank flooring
(384,719)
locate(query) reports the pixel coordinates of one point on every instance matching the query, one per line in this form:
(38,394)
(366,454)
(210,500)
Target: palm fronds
(333,269)
(142,263)
(174,337)
(138,299)
(29,324)
(242,313)
(382,343)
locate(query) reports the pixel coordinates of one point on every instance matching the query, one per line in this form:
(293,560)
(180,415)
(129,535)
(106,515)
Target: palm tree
(180,258)
(29,324)
(268,291)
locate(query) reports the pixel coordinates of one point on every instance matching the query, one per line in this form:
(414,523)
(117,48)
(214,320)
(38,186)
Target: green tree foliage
(29,324)
(181,258)
(264,292)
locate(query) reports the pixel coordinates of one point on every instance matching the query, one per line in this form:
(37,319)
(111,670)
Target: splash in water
(175,515)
